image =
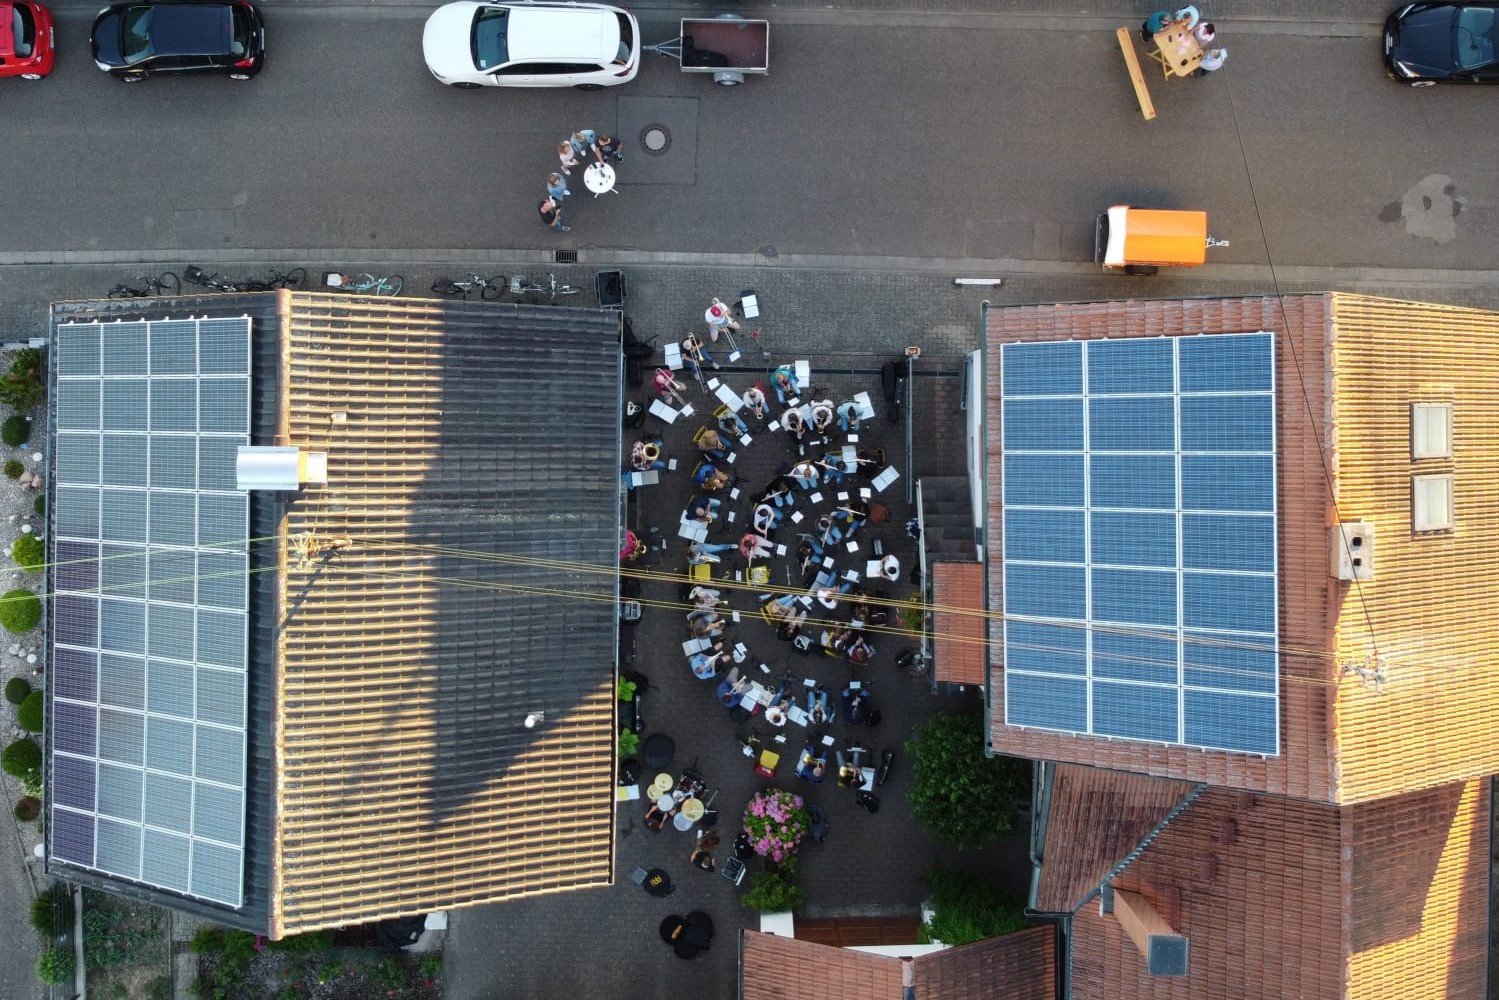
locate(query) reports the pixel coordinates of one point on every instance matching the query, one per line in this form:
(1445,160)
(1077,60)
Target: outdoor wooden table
(1177,51)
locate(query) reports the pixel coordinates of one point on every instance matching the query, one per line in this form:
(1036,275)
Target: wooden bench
(1132,61)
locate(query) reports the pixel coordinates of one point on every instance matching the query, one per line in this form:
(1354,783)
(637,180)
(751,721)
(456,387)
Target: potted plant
(628,742)
(776,822)
(629,713)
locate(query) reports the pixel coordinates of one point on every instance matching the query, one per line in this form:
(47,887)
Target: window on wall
(1431,503)
(1431,430)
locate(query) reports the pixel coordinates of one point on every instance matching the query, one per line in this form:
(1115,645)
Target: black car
(135,40)
(1431,43)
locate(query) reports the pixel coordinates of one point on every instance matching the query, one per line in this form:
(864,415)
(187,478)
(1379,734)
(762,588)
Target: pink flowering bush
(776,823)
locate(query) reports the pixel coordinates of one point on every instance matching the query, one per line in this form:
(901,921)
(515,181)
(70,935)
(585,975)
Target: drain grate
(655,139)
(565,256)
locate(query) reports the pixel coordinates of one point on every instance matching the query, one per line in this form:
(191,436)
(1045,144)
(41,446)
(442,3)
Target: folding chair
(766,765)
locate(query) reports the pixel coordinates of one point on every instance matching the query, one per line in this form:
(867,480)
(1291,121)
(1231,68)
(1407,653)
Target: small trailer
(729,46)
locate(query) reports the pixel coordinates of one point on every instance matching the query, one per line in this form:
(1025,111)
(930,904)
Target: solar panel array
(1139,539)
(150,602)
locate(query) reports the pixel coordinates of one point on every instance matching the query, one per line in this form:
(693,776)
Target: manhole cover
(655,139)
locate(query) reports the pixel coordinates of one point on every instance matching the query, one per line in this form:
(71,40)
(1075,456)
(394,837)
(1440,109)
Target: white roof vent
(1353,550)
(268,467)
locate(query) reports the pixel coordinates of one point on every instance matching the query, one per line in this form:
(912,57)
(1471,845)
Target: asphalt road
(878,136)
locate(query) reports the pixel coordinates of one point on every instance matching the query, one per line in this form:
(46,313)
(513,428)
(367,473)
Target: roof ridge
(1145,842)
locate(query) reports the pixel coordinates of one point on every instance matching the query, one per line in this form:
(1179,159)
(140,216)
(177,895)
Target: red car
(25,39)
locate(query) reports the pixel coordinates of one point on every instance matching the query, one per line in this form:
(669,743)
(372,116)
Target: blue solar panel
(1139,539)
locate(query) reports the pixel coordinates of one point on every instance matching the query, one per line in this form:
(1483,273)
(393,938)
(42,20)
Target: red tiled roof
(1347,369)
(1020,966)
(959,653)
(772,967)
(1304,766)
(1286,898)
(1094,819)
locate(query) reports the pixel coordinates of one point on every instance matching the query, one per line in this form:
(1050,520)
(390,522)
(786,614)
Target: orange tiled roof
(1347,370)
(1020,966)
(960,632)
(1283,898)
(772,967)
(1304,767)
(1094,820)
(1433,620)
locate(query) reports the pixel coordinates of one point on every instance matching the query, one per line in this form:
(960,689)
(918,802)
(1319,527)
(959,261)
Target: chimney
(1165,950)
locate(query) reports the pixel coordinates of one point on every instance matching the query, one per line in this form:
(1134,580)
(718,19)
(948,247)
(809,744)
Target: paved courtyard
(871,864)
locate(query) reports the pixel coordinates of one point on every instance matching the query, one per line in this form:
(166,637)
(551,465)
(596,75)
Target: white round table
(599,178)
(666,803)
(681,822)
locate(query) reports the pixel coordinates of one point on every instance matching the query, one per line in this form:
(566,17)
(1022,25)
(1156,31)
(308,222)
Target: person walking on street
(1212,61)
(557,187)
(551,214)
(568,157)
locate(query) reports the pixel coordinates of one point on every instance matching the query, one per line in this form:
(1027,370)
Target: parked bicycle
(522,285)
(488,288)
(363,284)
(294,278)
(165,283)
(195,275)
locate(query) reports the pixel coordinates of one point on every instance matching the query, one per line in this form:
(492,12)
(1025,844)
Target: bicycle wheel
(293,278)
(390,285)
(120,292)
(447,286)
(194,275)
(168,283)
(492,289)
(252,285)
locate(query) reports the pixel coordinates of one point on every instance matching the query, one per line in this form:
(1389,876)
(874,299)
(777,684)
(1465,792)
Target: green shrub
(16,690)
(20,610)
(628,742)
(56,966)
(303,944)
(774,891)
(28,552)
(52,911)
(159,988)
(22,386)
(431,966)
(31,783)
(14,468)
(16,430)
(21,757)
(28,808)
(29,712)
(40,505)
(957,793)
(966,909)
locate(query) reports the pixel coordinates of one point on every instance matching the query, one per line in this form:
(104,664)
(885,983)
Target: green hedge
(15,431)
(20,610)
(29,713)
(14,468)
(28,552)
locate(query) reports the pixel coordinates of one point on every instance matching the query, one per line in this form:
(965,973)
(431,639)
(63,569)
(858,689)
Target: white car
(532,44)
